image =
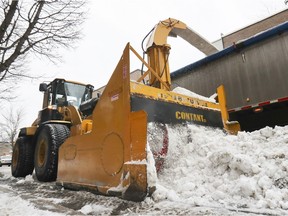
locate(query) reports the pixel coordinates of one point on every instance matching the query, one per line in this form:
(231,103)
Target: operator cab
(60,93)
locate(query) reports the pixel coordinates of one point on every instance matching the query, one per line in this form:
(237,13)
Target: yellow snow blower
(100,144)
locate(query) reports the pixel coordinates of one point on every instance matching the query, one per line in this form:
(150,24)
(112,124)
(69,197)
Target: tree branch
(39,27)
(8,18)
(22,40)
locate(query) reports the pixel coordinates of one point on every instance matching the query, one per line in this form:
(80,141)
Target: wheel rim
(41,153)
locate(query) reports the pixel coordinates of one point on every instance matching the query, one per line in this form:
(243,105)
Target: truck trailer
(254,73)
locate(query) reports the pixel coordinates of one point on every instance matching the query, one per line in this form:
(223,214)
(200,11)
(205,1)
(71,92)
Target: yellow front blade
(111,159)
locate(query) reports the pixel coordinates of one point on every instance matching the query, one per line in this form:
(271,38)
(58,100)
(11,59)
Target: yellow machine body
(113,154)
(108,153)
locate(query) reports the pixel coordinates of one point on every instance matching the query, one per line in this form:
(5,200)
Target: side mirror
(43,87)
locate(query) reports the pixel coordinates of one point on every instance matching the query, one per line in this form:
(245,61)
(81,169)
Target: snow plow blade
(111,158)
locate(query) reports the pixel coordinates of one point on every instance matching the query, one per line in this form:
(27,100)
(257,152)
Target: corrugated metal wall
(251,75)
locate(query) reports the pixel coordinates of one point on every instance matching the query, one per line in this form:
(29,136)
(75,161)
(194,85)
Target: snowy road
(207,172)
(29,197)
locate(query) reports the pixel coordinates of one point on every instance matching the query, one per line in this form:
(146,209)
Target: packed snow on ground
(204,167)
(12,204)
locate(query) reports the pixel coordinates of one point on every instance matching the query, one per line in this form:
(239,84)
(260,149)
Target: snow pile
(206,171)
(207,167)
(189,93)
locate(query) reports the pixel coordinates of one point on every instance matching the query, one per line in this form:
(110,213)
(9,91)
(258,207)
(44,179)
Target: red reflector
(246,107)
(264,103)
(283,99)
(258,109)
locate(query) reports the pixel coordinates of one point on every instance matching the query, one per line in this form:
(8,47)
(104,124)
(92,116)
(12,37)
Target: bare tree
(9,129)
(38,26)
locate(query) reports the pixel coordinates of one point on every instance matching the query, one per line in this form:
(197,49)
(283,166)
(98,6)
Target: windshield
(72,94)
(76,94)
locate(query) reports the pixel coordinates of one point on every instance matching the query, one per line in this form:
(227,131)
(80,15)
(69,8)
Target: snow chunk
(243,164)
(245,187)
(151,169)
(265,182)
(267,132)
(28,178)
(94,209)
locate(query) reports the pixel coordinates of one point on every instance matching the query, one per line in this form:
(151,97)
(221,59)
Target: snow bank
(207,167)
(205,170)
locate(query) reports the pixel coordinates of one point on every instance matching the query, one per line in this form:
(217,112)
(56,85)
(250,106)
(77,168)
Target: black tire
(48,142)
(22,157)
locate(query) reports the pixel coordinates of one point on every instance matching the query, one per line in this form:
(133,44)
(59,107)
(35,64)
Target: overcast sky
(113,23)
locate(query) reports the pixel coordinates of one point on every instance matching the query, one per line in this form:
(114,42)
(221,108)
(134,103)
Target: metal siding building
(252,71)
(252,29)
